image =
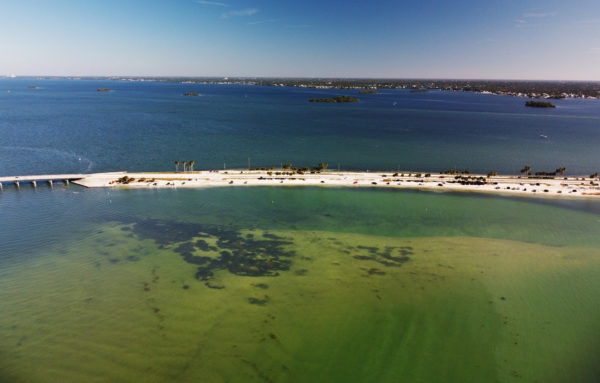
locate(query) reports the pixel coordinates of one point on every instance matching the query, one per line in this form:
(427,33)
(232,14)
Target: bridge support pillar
(17,184)
(50,183)
(66,182)
(34,183)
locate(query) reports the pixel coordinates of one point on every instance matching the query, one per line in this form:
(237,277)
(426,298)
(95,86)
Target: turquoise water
(302,284)
(296,284)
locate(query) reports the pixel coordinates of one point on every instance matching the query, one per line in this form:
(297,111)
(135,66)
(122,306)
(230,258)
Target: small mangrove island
(419,91)
(367,92)
(540,104)
(191,94)
(103,90)
(335,99)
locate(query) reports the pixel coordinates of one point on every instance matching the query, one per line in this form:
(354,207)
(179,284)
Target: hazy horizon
(217,77)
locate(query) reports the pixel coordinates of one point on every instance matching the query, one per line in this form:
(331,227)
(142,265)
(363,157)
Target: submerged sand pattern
(136,302)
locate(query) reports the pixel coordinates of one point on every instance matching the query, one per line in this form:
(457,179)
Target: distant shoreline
(563,187)
(535,89)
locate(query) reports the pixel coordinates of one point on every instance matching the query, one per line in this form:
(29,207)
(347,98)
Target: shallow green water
(296,285)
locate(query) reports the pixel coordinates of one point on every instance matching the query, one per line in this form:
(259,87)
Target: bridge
(50,179)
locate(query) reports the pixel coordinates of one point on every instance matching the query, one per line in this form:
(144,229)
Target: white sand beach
(557,187)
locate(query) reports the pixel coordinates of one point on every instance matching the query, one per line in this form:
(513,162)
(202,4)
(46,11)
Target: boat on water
(543,136)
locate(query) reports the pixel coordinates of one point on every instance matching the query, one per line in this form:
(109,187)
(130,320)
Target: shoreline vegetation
(336,99)
(542,184)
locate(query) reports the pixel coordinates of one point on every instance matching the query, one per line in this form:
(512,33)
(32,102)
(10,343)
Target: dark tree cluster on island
(335,99)
(540,104)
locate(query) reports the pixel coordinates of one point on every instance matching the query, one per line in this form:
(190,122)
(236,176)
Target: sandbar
(557,187)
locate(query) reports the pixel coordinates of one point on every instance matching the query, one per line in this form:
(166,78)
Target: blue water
(349,285)
(67,126)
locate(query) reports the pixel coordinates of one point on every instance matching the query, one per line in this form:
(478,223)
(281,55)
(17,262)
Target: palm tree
(184,165)
(192,165)
(176,166)
(525,169)
(561,171)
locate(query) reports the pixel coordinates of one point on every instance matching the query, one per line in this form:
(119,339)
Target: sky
(462,39)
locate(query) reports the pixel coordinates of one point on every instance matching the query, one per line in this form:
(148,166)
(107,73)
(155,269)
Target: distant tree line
(531,88)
